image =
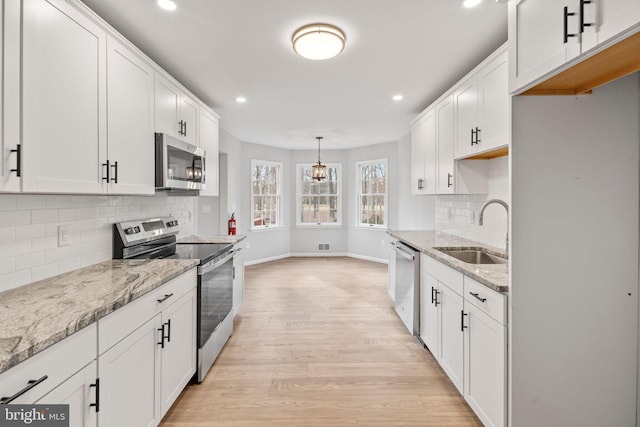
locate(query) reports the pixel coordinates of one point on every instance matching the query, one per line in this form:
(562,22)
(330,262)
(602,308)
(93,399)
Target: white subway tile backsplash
(29,240)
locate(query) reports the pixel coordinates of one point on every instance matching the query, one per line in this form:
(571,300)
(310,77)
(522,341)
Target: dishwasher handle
(405,254)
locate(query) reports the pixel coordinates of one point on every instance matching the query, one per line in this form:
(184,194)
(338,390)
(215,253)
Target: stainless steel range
(156,238)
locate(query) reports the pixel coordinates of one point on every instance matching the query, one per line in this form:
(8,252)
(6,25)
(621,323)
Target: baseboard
(269,259)
(315,255)
(368,258)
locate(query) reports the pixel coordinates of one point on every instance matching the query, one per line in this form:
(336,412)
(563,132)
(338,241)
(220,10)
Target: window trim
(358,193)
(300,224)
(279,224)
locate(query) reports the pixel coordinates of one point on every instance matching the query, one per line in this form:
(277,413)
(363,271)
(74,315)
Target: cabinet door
(536,37)
(467,117)
(429,302)
(64,99)
(430,153)
(79,392)
(238,280)
(179,352)
(445,142)
(451,336)
(128,374)
(209,142)
(10,93)
(494,104)
(167,106)
(485,367)
(190,115)
(607,18)
(130,134)
(418,148)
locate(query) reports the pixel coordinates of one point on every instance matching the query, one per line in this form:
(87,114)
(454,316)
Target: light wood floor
(317,343)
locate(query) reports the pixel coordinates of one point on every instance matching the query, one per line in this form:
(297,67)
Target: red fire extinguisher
(232,225)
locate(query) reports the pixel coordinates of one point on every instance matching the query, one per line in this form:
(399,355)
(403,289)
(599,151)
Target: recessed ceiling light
(471,3)
(241,99)
(398,97)
(167,4)
(318,41)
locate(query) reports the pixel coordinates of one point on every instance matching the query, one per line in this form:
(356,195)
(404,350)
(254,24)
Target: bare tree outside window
(372,193)
(318,202)
(265,194)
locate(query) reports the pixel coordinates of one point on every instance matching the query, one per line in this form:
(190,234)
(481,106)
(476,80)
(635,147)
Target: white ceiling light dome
(318,41)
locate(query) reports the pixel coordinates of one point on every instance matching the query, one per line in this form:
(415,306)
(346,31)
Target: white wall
(459,214)
(574,303)
(29,237)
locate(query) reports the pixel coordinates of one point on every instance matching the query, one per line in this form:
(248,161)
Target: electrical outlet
(64,232)
(247,245)
(206,209)
(382,242)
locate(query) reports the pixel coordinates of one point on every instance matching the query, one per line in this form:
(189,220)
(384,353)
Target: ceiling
(222,49)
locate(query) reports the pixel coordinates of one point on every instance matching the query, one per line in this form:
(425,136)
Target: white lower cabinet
(463,323)
(143,371)
(238,277)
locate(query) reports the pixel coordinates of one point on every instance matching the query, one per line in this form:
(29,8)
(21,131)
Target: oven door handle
(211,265)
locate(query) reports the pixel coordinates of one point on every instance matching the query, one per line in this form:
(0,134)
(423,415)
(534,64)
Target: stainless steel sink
(473,255)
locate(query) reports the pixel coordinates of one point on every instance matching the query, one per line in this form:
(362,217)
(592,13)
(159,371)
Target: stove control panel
(139,231)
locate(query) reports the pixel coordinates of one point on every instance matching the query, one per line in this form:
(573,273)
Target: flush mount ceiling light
(471,3)
(318,171)
(318,41)
(398,97)
(241,99)
(167,4)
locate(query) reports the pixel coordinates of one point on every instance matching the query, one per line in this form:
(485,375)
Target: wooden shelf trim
(612,63)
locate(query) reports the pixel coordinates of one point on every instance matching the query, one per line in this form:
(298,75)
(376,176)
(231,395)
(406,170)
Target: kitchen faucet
(481,220)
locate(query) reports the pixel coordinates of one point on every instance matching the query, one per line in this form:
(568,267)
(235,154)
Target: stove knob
(136,229)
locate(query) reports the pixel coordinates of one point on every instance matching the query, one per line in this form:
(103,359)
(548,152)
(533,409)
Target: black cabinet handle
(477,135)
(420,184)
(432,297)
(436,299)
(233,270)
(478,296)
(97,404)
(166,297)
(473,140)
(18,152)
(449,183)
(185,128)
(582,23)
(567,14)
(115,174)
(462,326)
(30,384)
(168,330)
(162,336)
(108,167)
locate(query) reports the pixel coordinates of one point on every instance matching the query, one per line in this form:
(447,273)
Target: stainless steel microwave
(179,165)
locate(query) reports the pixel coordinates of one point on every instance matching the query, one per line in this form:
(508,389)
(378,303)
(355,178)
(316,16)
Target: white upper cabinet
(482,109)
(130,127)
(209,141)
(64,99)
(445,165)
(177,113)
(546,34)
(423,151)
(10,91)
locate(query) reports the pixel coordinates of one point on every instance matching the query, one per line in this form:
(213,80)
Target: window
(319,203)
(371,179)
(266,203)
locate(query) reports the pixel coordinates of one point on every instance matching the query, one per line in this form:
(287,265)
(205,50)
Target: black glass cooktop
(205,252)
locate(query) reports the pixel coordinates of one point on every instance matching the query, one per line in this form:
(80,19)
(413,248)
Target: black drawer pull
(166,297)
(478,296)
(18,152)
(462,326)
(31,384)
(97,404)
(566,35)
(108,169)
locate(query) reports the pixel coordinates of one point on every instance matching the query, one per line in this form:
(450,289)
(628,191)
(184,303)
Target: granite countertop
(212,239)
(494,276)
(36,316)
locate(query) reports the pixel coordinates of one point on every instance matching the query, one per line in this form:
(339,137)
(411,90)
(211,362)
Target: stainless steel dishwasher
(407,302)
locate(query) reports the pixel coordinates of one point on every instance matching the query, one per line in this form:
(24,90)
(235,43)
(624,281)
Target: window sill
(372,227)
(261,229)
(319,225)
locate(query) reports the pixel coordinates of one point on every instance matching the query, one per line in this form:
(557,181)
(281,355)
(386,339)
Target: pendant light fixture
(319,171)
(318,41)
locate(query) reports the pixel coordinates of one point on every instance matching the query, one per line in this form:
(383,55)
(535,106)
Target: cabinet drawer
(58,362)
(127,319)
(494,304)
(446,275)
